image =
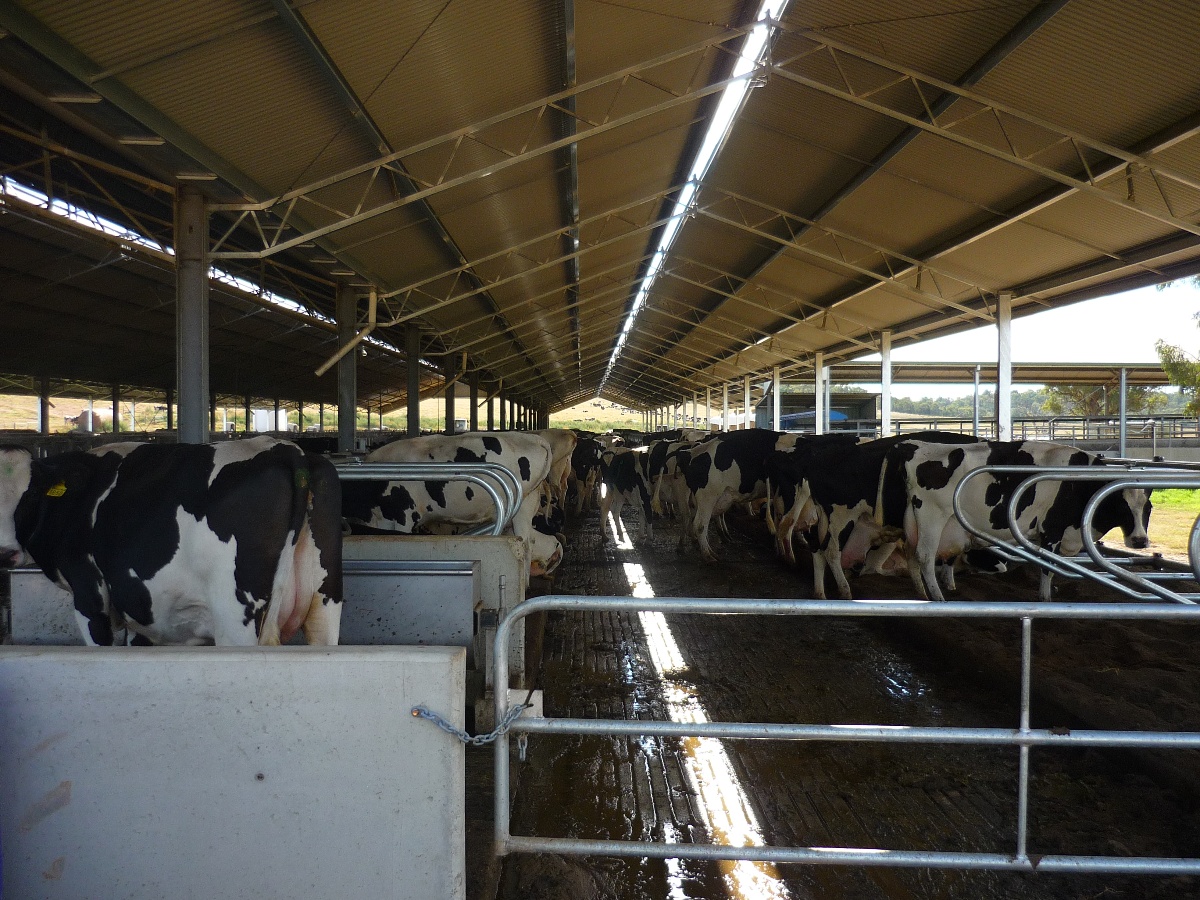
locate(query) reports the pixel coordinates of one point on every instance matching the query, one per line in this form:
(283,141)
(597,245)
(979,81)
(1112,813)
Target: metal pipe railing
(1117,477)
(493,478)
(1022,737)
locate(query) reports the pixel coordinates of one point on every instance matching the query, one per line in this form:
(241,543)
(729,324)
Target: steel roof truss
(934,301)
(602,354)
(512,253)
(799,321)
(606,328)
(1135,165)
(619,286)
(888,257)
(451,143)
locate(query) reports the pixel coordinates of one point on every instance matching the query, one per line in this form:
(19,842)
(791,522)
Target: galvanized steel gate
(1022,737)
(1167,606)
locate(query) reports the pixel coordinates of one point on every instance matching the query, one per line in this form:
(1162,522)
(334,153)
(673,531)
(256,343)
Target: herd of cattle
(883,505)
(240,542)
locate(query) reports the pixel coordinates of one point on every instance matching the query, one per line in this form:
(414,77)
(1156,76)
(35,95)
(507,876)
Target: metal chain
(477,740)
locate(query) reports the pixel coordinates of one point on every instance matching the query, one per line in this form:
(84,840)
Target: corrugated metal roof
(834,211)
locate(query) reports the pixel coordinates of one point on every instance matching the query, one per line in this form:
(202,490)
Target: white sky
(1121,328)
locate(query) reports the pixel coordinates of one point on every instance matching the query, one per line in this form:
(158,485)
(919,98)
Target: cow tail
(655,503)
(883,468)
(325,524)
(770,515)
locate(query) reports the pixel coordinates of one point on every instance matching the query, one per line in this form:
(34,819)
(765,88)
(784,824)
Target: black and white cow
(550,518)
(625,481)
(234,543)
(415,506)
(734,467)
(1050,514)
(584,476)
(665,468)
(726,470)
(833,492)
(562,443)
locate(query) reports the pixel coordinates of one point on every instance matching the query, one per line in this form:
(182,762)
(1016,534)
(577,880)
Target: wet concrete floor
(827,671)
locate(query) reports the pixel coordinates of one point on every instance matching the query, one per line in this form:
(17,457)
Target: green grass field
(1172,518)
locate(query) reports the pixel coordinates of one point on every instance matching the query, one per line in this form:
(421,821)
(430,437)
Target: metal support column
(170,409)
(347,368)
(708,409)
(91,422)
(1004,366)
(827,380)
(975,406)
(885,377)
(191,315)
(748,421)
(725,406)
(819,392)
(412,359)
(448,374)
(473,423)
(320,417)
(1124,429)
(775,399)
(275,420)
(44,405)
(503,403)
(116,405)
(249,416)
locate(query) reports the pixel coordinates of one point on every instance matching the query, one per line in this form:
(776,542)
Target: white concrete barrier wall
(502,581)
(42,612)
(288,773)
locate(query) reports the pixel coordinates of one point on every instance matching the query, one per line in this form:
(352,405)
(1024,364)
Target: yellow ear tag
(58,490)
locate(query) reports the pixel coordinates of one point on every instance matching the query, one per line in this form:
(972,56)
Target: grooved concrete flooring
(820,794)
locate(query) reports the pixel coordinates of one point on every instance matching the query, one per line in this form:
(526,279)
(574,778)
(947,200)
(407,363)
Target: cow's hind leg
(818,567)
(647,534)
(948,575)
(323,623)
(926,558)
(876,557)
(833,555)
(699,527)
(611,506)
(1044,584)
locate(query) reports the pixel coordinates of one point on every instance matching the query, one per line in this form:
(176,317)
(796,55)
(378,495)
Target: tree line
(1059,400)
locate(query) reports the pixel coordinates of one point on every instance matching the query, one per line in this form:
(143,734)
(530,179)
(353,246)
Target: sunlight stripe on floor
(729,818)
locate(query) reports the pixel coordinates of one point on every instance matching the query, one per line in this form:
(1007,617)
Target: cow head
(545,553)
(1128,510)
(16,466)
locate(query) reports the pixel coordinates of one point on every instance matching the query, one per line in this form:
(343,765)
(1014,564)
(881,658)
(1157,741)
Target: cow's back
(194,543)
(527,456)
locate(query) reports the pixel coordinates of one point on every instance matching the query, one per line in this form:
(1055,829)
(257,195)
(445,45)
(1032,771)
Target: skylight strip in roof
(753,53)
